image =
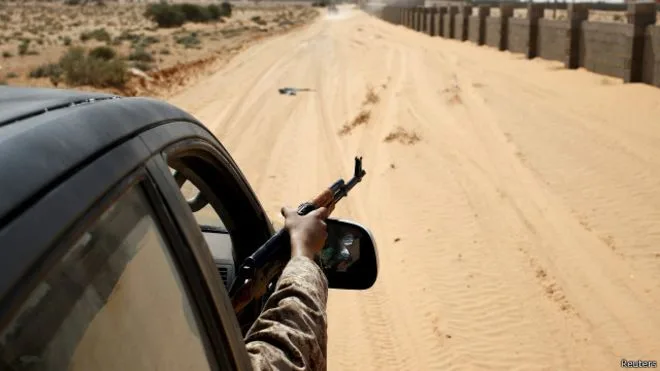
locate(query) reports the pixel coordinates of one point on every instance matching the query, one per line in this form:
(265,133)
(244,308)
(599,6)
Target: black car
(122,224)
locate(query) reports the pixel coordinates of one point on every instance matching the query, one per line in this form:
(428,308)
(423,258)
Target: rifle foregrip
(324,199)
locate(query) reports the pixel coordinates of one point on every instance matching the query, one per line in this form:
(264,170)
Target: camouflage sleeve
(291,332)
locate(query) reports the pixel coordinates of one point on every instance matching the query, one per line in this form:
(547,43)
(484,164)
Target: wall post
(640,15)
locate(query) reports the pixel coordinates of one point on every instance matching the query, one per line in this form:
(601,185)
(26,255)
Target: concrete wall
(651,69)
(494,33)
(553,39)
(518,35)
(459,27)
(606,48)
(628,51)
(474,29)
(448,26)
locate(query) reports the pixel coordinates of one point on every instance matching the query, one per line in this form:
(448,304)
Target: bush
(66,41)
(189,40)
(165,51)
(166,16)
(149,40)
(81,69)
(23,47)
(129,36)
(11,75)
(46,70)
(141,55)
(7,54)
(99,35)
(103,52)
(215,12)
(257,19)
(226,9)
(195,13)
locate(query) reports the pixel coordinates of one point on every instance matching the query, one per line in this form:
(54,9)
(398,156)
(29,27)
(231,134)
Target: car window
(114,301)
(206,216)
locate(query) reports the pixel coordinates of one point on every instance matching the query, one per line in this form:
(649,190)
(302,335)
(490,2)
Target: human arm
(291,332)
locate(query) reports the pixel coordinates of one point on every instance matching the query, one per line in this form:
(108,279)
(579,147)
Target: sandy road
(520,232)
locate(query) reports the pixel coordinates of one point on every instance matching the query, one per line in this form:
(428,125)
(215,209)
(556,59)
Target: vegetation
(46,70)
(103,52)
(23,47)
(7,54)
(257,19)
(100,68)
(99,34)
(11,75)
(141,55)
(189,41)
(175,15)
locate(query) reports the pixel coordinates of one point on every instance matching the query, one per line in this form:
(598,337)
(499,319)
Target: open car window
(206,216)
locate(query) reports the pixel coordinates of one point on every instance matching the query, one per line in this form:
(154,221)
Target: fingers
(287,211)
(321,213)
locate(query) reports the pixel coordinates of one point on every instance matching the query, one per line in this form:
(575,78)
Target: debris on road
(291,91)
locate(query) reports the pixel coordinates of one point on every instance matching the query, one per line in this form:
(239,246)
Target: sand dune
(518,229)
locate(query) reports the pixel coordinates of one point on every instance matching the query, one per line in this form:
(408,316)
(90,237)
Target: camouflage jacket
(291,332)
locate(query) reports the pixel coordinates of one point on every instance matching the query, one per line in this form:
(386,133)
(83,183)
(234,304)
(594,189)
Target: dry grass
(361,119)
(402,136)
(372,97)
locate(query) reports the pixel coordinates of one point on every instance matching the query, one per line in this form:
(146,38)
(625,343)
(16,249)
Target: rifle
(268,261)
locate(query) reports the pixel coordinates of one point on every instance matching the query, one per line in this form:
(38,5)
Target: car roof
(45,134)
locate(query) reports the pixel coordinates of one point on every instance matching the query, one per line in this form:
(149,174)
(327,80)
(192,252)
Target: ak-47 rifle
(268,261)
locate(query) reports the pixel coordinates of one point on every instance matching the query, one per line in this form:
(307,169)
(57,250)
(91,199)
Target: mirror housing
(349,258)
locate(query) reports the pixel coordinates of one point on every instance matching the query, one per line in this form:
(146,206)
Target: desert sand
(515,203)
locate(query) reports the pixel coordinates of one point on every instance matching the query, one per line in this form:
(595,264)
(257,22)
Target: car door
(200,177)
(124,285)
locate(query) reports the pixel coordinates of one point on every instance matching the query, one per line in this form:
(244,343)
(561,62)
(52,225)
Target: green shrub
(149,40)
(166,16)
(257,19)
(189,40)
(226,9)
(103,52)
(141,55)
(165,51)
(11,75)
(46,70)
(129,36)
(99,34)
(175,15)
(195,13)
(7,54)
(66,41)
(23,47)
(3,82)
(81,69)
(215,12)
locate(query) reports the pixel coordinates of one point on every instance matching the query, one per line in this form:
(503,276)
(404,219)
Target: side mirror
(349,258)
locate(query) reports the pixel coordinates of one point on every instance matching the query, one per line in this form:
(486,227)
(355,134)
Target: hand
(308,232)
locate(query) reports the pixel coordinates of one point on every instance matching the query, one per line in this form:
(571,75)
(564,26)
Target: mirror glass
(349,257)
